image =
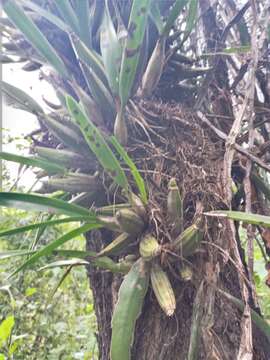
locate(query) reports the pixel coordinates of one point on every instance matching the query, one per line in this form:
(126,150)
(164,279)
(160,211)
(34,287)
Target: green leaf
(31,202)
(58,284)
(40,231)
(103,262)
(33,161)
(241,216)
(63,263)
(14,253)
(6,327)
(135,172)
(55,20)
(100,92)
(66,133)
(230,51)
(48,249)
(83,12)
(97,144)
(174,13)
(256,318)
(131,53)
(34,36)
(111,51)
(66,11)
(156,16)
(48,223)
(89,57)
(80,254)
(237,50)
(66,158)
(191,17)
(18,98)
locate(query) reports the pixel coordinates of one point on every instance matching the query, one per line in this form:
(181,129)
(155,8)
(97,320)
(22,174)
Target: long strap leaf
(84,14)
(14,253)
(32,202)
(111,51)
(103,262)
(89,57)
(191,17)
(18,98)
(66,11)
(156,16)
(34,35)
(100,92)
(131,53)
(176,8)
(63,263)
(47,223)
(48,249)
(256,318)
(241,216)
(35,162)
(135,172)
(67,134)
(55,20)
(97,144)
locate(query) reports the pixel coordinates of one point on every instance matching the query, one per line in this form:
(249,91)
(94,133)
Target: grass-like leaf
(83,12)
(97,144)
(66,11)
(48,249)
(40,230)
(175,10)
(230,51)
(34,35)
(18,98)
(31,202)
(111,51)
(66,133)
(80,254)
(66,158)
(55,20)
(256,318)
(14,253)
(100,92)
(241,216)
(58,284)
(47,223)
(191,17)
(131,52)
(133,168)
(34,162)
(63,263)
(156,16)
(89,57)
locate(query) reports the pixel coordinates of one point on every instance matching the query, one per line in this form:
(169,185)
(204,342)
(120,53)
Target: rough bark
(161,337)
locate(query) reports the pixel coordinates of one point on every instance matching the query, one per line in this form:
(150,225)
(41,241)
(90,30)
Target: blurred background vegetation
(35,322)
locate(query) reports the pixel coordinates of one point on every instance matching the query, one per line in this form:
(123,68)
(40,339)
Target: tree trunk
(195,157)
(160,337)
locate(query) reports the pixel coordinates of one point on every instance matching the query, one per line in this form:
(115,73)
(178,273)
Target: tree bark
(158,336)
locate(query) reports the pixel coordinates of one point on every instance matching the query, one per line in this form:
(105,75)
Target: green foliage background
(59,328)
